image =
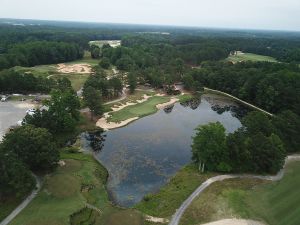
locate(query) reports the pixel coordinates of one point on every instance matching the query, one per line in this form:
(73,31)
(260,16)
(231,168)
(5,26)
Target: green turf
(66,191)
(62,194)
(139,110)
(224,199)
(276,203)
(250,57)
(77,80)
(165,202)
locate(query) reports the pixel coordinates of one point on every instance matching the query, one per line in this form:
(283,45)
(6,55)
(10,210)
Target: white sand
(103,123)
(171,102)
(156,219)
(234,222)
(82,68)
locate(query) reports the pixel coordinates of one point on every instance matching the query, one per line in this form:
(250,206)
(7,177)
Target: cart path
(179,212)
(25,202)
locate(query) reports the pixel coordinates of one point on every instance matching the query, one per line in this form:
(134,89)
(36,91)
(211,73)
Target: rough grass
(139,110)
(224,199)
(62,195)
(66,191)
(276,203)
(250,57)
(165,202)
(185,97)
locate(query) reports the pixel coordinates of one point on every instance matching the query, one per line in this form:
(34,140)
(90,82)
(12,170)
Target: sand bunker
(171,102)
(234,222)
(103,123)
(82,68)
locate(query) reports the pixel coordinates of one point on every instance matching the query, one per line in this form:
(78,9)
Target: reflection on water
(142,156)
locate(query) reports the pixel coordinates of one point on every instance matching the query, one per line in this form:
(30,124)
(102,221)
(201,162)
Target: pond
(142,156)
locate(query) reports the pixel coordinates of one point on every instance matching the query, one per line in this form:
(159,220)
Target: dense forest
(38,53)
(272,86)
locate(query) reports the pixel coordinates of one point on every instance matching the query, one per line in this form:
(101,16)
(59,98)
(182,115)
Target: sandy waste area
(82,68)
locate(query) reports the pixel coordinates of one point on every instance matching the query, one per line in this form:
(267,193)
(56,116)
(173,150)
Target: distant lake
(142,156)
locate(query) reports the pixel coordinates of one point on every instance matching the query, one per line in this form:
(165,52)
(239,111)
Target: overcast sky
(256,14)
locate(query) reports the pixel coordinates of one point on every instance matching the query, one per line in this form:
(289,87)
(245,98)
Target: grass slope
(250,57)
(276,203)
(66,191)
(165,202)
(139,110)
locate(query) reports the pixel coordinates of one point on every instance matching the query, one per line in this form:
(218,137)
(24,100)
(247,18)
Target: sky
(242,14)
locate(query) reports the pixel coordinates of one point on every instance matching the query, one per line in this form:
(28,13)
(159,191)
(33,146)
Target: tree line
(12,81)
(272,86)
(40,52)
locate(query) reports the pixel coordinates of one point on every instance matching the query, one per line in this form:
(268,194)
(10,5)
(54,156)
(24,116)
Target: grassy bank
(221,200)
(66,191)
(250,57)
(275,203)
(139,110)
(165,202)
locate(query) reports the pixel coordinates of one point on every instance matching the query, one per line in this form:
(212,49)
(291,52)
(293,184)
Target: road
(178,214)
(26,201)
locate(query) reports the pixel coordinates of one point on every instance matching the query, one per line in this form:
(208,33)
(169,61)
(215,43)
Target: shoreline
(104,124)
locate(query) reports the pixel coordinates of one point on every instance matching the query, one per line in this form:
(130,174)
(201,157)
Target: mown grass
(224,199)
(276,203)
(250,57)
(77,80)
(139,110)
(66,191)
(165,202)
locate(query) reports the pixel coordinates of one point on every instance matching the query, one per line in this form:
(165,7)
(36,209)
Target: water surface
(142,156)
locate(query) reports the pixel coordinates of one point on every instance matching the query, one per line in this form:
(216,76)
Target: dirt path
(177,216)
(26,201)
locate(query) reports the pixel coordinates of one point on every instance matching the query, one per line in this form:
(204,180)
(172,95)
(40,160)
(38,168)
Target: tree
(116,84)
(64,84)
(132,82)
(255,122)
(287,126)
(15,177)
(95,52)
(104,63)
(267,153)
(93,100)
(35,147)
(62,113)
(209,148)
